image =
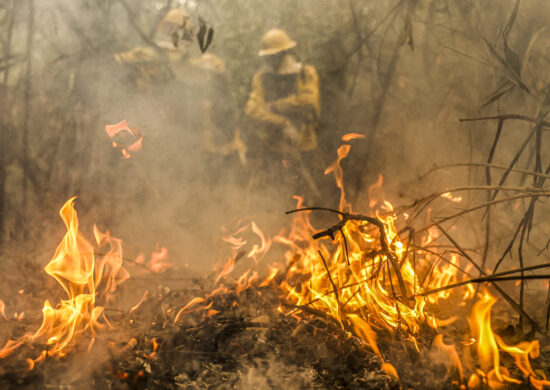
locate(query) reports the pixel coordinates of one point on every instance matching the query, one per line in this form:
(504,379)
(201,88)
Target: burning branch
(330,232)
(334,288)
(517,307)
(498,277)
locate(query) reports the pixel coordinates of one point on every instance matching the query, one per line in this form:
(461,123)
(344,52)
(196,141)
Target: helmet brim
(269,52)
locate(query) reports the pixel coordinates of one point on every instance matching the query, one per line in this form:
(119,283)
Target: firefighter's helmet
(175,27)
(275,41)
(178,16)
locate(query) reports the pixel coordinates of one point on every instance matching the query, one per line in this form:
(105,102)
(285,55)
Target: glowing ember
(449,196)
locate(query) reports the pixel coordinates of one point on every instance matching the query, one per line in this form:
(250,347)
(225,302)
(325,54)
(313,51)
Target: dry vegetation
(452,97)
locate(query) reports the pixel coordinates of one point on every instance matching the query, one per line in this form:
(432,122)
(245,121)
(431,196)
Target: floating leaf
(201,35)
(209,38)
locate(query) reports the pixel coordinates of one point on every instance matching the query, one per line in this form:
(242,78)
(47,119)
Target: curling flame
(143,299)
(272,273)
(158,262)
(489,345)
(192,303)
(259,250)
(73,266)
(227,268)
(373,201)
(335,167)
(350,136)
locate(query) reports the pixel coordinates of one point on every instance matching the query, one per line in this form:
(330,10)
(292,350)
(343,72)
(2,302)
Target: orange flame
(73,266)
(227,268)
(350,136)
(489,345)
(369,294)
(158,262)
(335,167)
(272,273)
(259,250)
(191,303)
(140,302)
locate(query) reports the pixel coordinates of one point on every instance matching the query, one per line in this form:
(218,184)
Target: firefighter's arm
(306,99)
(257,109)
(137,55)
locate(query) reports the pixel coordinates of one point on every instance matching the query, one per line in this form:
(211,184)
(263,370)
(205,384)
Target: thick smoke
(400,73)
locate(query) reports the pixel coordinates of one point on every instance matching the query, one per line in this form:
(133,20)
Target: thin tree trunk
(4,120)
(27,115)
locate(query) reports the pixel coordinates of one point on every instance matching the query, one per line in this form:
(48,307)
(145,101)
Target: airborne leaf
(209,38)
(202,34)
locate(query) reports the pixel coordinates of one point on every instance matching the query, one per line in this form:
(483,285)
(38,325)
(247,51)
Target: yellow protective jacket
(277,100)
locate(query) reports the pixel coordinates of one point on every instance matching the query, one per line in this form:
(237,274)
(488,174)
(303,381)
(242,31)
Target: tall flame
(74,267)
(489,345)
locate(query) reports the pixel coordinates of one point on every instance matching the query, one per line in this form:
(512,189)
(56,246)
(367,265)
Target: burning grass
(352,306)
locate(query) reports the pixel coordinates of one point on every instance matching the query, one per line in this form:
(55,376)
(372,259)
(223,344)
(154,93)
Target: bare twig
(493,166)
(335,289)
(509,247)
(484,279)
(27,108)
(506,117)
(422,203)
(513,303)
(481,206)
(330,232)
(488,182)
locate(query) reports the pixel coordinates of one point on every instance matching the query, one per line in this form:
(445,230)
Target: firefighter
(284,109)
(190,92)
(183,105)
(161,61)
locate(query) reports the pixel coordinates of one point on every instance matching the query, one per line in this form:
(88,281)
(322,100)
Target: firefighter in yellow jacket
(284,105)
(192,92)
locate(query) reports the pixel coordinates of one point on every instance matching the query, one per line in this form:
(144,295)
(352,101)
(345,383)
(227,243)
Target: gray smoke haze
(400,73)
